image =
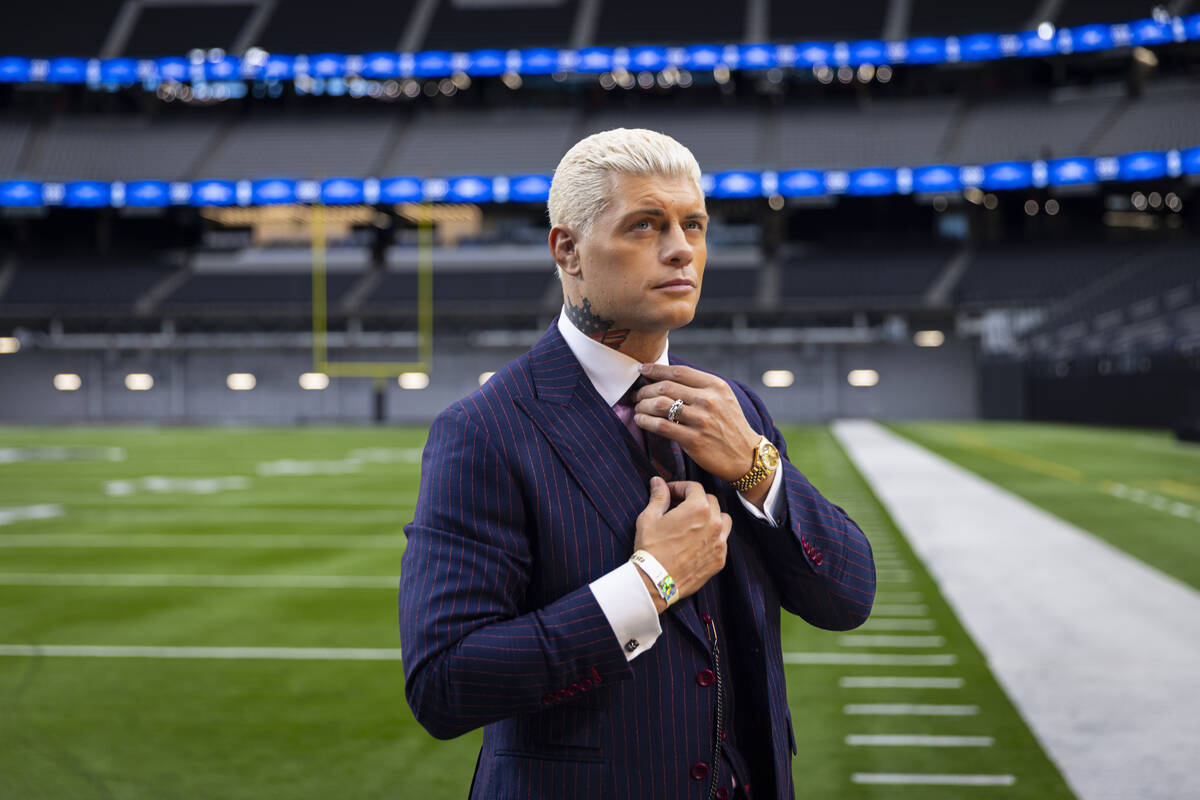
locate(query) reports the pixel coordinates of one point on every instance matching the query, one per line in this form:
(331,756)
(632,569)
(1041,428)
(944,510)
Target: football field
(211,613)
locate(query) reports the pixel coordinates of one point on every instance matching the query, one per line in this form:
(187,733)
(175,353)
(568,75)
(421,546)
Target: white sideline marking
(13,455)
(896,682)
(200,581)
(292,467)
(900,610)
(875,659)
(21,513)
(910,709)
(933,780)
(159,484)
(898,597)
(898,624)
(1098,651)
(893,576)
(171,540)
(884,640)
(916,740)
(269,653)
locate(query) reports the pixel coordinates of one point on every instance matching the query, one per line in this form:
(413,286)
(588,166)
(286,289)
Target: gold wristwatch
(766,459)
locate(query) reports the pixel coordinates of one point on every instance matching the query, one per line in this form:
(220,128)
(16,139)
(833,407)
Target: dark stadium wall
(189,387)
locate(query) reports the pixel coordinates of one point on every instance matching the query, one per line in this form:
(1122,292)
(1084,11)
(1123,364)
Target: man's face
(642,262)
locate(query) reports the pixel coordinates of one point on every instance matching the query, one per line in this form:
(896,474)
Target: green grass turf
(1078,473)
(151,728)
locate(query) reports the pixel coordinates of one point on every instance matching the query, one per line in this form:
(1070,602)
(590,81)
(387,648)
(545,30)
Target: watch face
(768,455)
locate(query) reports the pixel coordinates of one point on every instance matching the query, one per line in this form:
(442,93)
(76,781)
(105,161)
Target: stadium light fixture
(1052,206)
(9,345)
(67,381)
(484,377)
(1045,31)
(139,382)
(929,338)
(862,378)
(778,378)
(1031,208)
(241,381)
(413,380)
(314,381)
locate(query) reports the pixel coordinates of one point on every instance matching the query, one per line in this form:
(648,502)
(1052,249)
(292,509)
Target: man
(582,577)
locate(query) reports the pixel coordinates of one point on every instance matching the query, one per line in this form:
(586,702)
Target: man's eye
(641,225)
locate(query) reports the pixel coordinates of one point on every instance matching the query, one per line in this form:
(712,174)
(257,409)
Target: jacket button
(722,793)
(699,770)
(705,677)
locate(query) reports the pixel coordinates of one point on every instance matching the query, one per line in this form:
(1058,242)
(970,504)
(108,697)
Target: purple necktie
(665,455)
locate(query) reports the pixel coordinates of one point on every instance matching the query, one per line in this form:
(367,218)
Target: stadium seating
(669,22)
(1038,274)
(1032,127)
(456,27)
(937,18)
(448,143)
(91,147)
(1166,116)
(847,136)
(844,275)
(827,21)
(310,146)
(71,284)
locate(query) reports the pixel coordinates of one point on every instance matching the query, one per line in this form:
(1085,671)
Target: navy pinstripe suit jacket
(529,491)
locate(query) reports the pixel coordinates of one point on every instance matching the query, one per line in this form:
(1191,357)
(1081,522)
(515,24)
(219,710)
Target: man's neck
(643,346)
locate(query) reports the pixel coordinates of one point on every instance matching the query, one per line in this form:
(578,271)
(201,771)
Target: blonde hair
(579,191)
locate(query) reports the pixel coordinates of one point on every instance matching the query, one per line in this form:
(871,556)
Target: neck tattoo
(593,326)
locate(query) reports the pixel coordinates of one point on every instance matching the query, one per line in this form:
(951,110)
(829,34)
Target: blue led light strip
(933,179)
(109,72)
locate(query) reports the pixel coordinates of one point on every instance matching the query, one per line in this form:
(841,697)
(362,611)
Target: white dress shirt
(621,594)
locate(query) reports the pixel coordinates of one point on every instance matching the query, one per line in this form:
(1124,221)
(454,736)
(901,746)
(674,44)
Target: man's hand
(688,540)
(711,427)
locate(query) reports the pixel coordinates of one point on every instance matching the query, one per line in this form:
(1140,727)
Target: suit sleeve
(472,654)
(819,558)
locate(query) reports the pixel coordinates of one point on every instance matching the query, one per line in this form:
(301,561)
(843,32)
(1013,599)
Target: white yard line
(916,740)
(200,581)
(204,540)
(897,682)
(22,513)
(899,610)
(884,640)
(267,653)
(873,659)
(898,624)
(1099,652)
(898,597)
(898,778)
(909,709)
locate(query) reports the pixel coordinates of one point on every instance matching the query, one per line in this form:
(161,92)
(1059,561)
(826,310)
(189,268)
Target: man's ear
(565,249)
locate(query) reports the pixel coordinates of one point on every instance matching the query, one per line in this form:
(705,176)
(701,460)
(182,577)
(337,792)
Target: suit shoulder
(493,403)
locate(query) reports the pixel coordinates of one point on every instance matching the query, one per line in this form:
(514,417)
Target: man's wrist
(660,605)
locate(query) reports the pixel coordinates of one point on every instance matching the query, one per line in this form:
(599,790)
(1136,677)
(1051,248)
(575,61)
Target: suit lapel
(608,464)
(586,435)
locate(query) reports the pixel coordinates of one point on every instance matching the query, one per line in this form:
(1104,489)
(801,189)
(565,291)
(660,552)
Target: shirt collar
(610,371)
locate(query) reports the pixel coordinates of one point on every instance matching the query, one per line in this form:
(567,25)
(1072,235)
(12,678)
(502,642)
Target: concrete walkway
(1100,653)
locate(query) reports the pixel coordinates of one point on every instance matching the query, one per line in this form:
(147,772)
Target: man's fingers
(671,389)
(682,490)
(713,506)
(726,526)
(660,496)
(678,373)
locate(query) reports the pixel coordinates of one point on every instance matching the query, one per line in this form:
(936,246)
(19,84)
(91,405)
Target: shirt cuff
(770,503)
(623,598)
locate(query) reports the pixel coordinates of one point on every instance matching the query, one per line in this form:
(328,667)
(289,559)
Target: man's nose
(676,249)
